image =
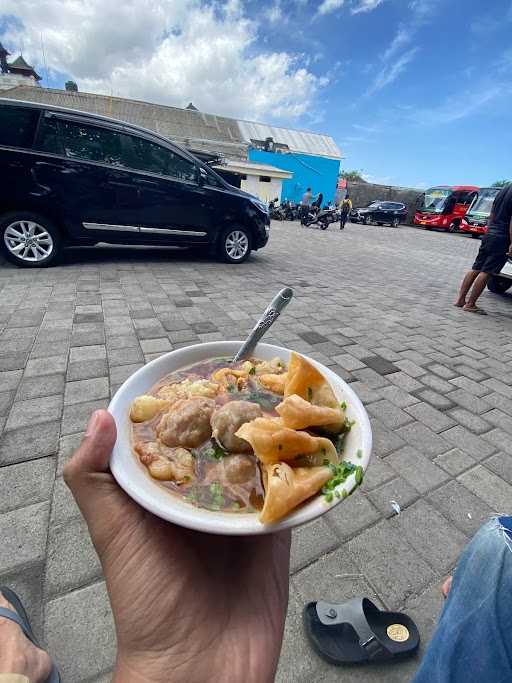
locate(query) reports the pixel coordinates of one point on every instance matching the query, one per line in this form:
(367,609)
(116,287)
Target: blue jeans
(473,640)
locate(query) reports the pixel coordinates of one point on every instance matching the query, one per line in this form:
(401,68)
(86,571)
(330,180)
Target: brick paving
(372,303)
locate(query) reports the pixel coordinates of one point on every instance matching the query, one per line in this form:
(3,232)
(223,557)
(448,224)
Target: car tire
(364,220)
(37,240)
(499,285)
(234,245)
(454,226)
(395,223)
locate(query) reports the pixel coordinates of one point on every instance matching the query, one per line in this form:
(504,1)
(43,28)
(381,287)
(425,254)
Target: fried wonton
(275,383)
(286,487)
(297,413)
(273,442)
(304,380)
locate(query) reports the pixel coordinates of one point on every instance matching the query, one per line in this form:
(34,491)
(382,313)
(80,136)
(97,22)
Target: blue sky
(415,92)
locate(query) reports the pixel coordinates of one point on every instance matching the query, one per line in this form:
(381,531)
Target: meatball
(228,420)
(239,468)
(188,423)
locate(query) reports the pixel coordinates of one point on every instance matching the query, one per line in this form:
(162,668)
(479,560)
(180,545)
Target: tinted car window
(148,156)
(94,144)
(17,126)
(48,139)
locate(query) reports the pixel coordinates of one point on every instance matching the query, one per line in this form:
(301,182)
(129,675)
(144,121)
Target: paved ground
(373,303)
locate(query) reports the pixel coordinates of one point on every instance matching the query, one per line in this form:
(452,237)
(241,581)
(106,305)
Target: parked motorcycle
(322,218)
(291,210)
(276,212)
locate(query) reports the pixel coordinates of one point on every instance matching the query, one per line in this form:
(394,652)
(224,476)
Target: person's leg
(468,280)
(472,641)
(17,654)
(478,287)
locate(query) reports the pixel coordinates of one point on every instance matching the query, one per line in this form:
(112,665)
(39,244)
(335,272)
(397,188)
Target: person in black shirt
(495,248)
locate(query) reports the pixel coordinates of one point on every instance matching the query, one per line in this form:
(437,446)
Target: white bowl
(133,478)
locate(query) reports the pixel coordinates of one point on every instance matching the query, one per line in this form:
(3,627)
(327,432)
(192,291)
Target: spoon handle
(271,314)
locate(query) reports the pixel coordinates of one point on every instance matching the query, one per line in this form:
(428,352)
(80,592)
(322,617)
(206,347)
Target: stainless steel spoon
(271,314)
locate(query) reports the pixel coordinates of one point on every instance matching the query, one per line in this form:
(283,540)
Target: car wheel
(395,223)
(454,226)
(364,220)
(235,245)
(379,223)
(29,240)
(499,285)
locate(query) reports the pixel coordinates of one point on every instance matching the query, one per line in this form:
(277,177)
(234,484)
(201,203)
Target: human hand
(187,606)
(509,252)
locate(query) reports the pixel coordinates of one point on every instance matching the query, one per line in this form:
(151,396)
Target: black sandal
(358,632)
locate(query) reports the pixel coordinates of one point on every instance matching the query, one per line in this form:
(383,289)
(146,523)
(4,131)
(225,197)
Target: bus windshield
(482,205)
(434,200)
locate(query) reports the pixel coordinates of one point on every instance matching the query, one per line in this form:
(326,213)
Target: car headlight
(259,204)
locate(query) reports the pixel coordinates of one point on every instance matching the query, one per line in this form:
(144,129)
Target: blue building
(313,159)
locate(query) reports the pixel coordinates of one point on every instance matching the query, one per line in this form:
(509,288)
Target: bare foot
(459,303)
(474,309)
(17,654)
(445,588)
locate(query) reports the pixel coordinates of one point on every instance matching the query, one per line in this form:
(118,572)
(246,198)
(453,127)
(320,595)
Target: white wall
(265,191)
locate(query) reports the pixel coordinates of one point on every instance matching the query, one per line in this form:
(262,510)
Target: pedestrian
(305,205)
(496,246)
(345,208)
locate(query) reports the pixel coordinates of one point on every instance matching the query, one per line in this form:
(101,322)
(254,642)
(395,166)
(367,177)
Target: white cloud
(274,13)
(330,6)
(474,100)
(166,51)
(391,71)
(366,6)
(399,50)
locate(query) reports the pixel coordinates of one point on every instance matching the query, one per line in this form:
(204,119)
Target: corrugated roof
(207,132)
(297,140)
(193,129)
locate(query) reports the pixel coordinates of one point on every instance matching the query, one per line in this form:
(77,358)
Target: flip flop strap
(352,613)
(14,616)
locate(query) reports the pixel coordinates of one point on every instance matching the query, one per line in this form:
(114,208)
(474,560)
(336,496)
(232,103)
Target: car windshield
(434,200)
(373,205)
(483,202)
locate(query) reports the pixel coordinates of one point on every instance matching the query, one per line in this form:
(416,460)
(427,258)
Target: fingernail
(91,425)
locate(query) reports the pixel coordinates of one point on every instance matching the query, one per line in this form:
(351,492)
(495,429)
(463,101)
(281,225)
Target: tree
(71,86)
(353,176)
(501,183)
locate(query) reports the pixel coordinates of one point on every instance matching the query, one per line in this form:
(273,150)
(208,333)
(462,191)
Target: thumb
(86,474)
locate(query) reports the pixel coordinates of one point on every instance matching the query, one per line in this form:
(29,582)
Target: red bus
(475,220)
(444,206)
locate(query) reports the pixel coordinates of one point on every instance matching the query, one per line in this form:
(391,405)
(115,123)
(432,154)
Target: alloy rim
(28,241)
(237,245)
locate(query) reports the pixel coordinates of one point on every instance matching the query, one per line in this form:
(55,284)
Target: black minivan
(73,178)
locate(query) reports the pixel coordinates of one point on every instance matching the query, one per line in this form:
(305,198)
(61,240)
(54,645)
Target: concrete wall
(318,173)
(362,194)
(265,191)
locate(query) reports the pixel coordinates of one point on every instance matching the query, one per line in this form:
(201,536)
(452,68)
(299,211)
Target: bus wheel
(454,226)
(499,285)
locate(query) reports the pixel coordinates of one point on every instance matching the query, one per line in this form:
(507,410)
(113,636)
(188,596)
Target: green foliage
(353,176)
(501,183)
